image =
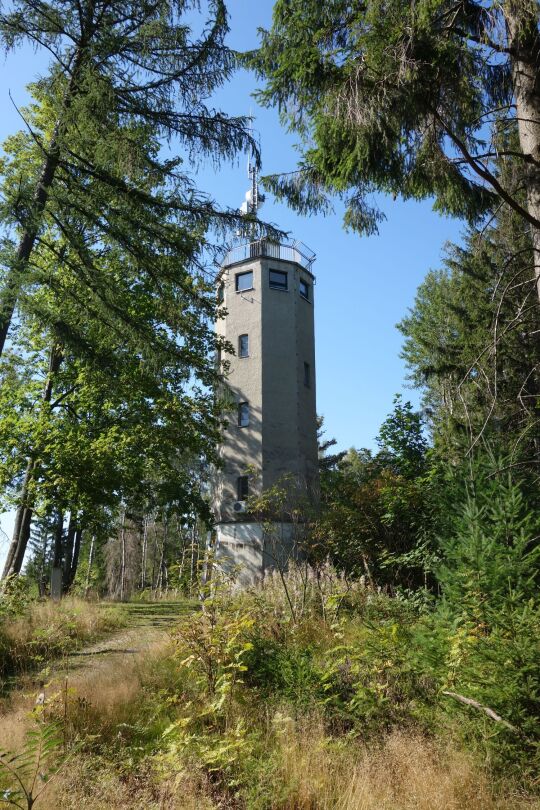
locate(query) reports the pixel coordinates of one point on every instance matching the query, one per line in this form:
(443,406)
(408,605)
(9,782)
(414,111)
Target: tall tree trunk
(58,546)
(90,561)
(23,518)
(21,529)
(75,557)
(144,552)
(58,550)
(123,558)
(154,556)
(68,552)
(41,577)
(15,277)
(524,41)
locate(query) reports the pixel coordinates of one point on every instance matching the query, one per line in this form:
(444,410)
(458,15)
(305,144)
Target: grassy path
(101,666)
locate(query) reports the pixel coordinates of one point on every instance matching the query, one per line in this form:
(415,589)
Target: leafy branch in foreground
(30,772)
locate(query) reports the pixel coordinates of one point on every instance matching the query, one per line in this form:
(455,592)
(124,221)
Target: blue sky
(364,285)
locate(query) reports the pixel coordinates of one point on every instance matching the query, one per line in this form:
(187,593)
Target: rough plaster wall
(248,552)
(289,412)
(281,438)
(242,447)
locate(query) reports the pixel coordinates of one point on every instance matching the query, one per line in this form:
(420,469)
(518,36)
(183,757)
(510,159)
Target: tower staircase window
(243,414)
(242,486)
(304,289)
(243,346)
(244,281)
(278,280)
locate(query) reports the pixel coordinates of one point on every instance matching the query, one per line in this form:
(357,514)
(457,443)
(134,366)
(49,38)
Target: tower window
(244,281)
(304,289)
(307,375)
(243,414)
(242,487)
(278,280)
(221,293)
(243,346)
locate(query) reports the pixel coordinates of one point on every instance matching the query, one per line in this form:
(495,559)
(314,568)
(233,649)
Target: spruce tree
(408,98)
(120,74)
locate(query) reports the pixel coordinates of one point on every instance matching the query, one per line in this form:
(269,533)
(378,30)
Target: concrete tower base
(251,550)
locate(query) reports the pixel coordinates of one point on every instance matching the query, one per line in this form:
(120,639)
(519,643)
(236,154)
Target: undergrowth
(309,693)
(34,632)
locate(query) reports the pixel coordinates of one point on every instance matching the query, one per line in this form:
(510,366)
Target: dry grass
(407,772)
(101,688)
(109,694)
(49,629)
(95,785)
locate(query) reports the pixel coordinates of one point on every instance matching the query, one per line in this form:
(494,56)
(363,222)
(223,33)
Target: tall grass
(45,630)
(274,700)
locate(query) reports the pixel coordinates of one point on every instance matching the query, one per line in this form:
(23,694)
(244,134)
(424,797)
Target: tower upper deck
(295,251)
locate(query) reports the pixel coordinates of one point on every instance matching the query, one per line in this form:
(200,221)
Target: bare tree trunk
(71,557)
(123,561)
(524,42)
(23,518)
(42,580)
(182,560)
(58,549)
(154,557)
(75,558)
(192,568)
(144,552)
(21,529)
(90,561)
(68,553)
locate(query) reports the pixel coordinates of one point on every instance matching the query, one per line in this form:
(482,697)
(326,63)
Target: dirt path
(97,668)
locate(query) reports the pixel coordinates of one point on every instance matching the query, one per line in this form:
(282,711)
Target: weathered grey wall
(282,435)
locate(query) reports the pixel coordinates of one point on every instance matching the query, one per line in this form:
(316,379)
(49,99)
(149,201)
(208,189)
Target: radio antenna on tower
(254,199)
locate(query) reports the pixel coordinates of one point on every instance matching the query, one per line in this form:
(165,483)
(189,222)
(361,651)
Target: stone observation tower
(267,289)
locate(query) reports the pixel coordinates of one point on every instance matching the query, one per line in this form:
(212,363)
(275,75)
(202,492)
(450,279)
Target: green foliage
(377,513)
(490,608)
(15,597)
(210,649)
(393,97)
(471,344)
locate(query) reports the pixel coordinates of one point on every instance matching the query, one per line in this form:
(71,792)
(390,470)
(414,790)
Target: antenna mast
(253,199)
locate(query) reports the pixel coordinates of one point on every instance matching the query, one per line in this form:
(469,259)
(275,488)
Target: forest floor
(95,668)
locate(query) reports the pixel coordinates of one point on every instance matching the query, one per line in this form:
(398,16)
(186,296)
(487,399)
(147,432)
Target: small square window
(304,289)
(243,414)
(244,281)
(243,346)
(307,375)
(221,293)
(278,280)
(242,487)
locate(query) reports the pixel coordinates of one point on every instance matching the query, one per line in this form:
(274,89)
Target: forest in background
(415,616)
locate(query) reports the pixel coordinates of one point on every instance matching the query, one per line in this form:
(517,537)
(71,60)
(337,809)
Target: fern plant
(29,773)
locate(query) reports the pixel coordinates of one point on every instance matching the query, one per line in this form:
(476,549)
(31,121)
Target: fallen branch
(490,713)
